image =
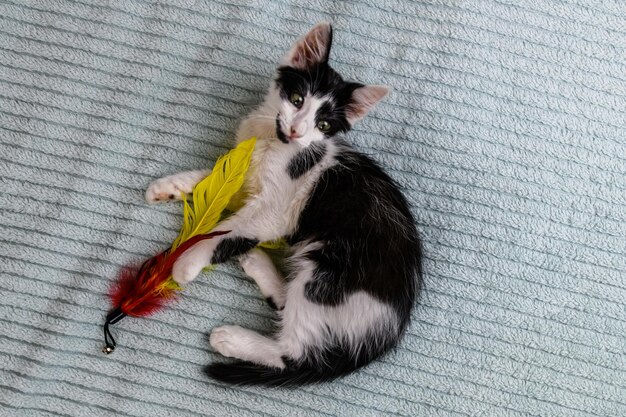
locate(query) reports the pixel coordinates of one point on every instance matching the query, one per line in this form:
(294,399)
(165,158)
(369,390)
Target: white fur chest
(279,199)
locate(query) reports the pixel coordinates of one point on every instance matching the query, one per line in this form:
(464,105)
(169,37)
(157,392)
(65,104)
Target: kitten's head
(312,101)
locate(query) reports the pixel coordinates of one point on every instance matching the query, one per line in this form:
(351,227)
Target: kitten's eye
(296,99)
(323,125)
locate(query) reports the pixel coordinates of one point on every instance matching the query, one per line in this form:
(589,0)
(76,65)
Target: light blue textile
(506,129)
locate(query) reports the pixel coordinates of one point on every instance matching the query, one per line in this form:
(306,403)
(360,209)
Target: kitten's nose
(294,134)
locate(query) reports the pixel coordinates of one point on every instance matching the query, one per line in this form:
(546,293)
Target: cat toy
(140,292)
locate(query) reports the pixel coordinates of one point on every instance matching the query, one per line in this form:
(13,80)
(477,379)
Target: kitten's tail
(294,374)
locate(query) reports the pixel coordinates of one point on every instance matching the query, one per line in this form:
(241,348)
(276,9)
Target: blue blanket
(506,130)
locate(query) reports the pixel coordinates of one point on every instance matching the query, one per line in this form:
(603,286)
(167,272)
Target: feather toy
(139,292)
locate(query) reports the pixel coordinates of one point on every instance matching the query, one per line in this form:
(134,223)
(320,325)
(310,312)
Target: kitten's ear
(312,49)
(363,99)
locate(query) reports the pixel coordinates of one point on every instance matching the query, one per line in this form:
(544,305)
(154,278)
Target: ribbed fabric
(506,130)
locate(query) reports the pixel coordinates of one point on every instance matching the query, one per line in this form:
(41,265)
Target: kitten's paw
(186,268)
(228,340)
(236,342)
(258,266)
(169,188)
(193,261)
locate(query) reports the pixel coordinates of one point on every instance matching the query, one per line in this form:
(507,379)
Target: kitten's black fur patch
(279,131)
(231,247)
(272,304)
(321,81)
(363,247)
(306,159)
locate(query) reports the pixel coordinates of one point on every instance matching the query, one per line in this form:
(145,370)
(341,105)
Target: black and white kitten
(354,262)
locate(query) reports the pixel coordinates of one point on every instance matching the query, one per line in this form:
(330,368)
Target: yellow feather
(212,195)
(274,244)
(169,284)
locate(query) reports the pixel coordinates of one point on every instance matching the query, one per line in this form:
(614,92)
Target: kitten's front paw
(168,188)
(226,340)
(194,260)
(187,267)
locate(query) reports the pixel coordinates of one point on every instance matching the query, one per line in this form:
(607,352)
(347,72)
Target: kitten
(354,262)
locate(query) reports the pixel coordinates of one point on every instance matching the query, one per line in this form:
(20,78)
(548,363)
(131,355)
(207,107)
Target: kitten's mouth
(279,131)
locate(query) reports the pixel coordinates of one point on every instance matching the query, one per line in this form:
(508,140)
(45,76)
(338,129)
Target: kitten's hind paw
(226,340)
(244,344)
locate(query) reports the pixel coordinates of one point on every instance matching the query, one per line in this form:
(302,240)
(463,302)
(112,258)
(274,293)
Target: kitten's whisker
(262,117)
(272,107)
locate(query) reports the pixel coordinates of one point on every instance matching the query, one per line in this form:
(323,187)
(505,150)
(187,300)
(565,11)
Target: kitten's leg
(244,344)
(259,266)
(211,251)
(171,187)
(245,232)
(193,260)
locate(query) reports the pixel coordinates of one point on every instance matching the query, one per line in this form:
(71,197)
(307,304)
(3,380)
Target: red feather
(140,291)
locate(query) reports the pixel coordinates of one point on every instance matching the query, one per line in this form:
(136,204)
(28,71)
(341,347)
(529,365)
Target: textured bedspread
(506,129)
